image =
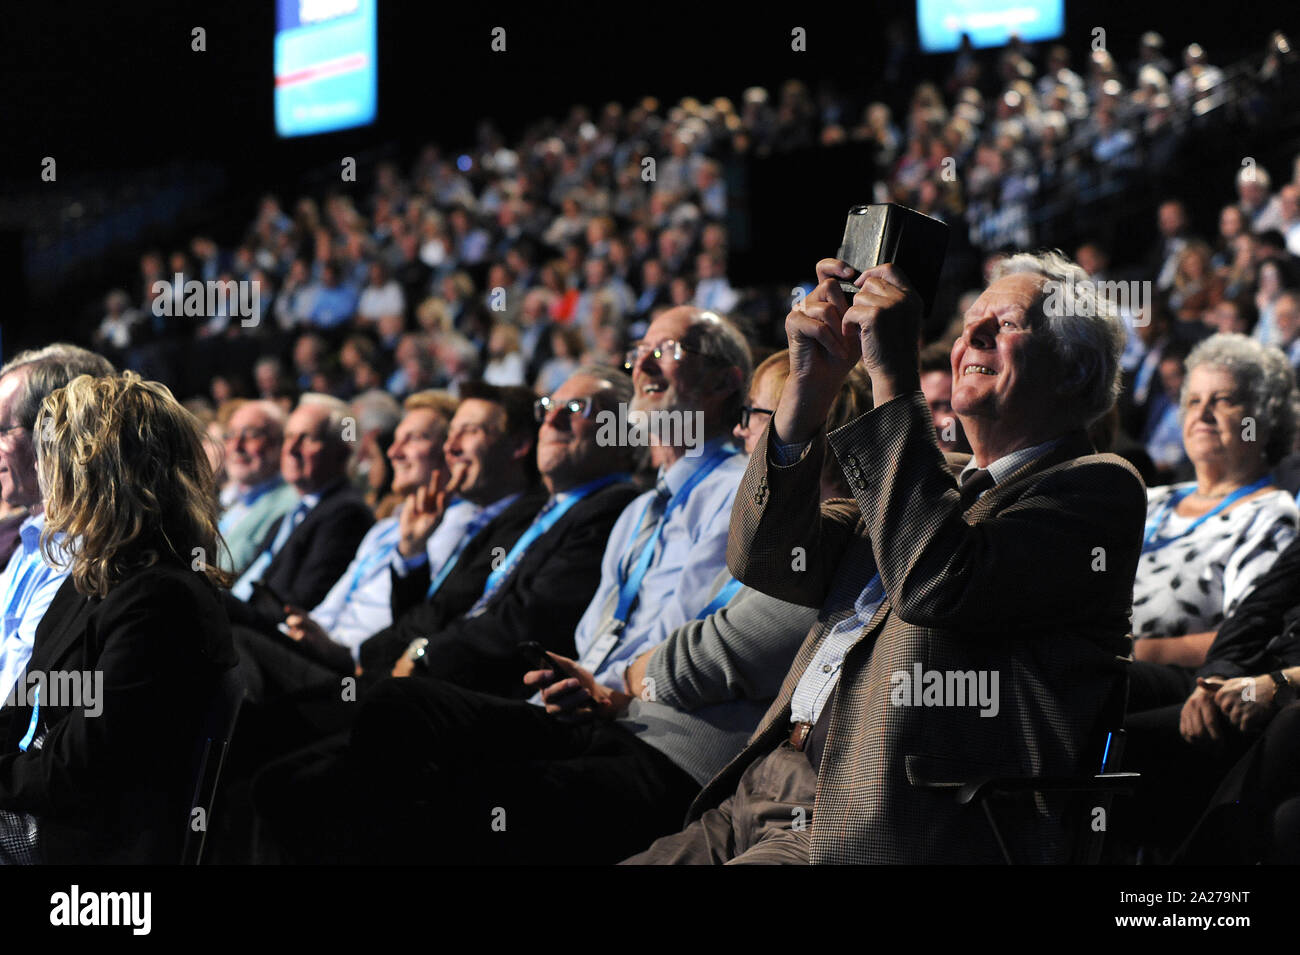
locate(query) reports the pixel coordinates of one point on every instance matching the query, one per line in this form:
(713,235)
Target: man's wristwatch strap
(1284,691)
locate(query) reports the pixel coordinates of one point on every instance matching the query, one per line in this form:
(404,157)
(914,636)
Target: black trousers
(272,666)
(433,773)
(1254,816)
(1178,778)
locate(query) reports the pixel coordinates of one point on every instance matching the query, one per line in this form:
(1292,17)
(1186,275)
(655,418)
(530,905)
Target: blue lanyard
(382,555)
(484,518)
(721,599)
(1151,542)
(629,586)
(543,523)
(31,727)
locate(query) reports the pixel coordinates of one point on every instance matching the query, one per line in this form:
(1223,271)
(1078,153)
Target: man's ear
(527,443)
(1071,379)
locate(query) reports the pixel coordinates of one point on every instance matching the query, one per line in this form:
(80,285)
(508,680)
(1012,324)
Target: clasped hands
(1216,702)
(827,336)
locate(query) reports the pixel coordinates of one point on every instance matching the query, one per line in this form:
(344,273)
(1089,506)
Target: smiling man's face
(417,449)
(1000,371)
(667,383)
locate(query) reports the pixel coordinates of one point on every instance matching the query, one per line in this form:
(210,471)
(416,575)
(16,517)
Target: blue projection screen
(989,22)
(325,77)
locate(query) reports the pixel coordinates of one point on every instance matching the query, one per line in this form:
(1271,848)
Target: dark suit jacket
(542,600)
(1010,586)
(413,616)
(1263,633)
(116,786)
(315,555)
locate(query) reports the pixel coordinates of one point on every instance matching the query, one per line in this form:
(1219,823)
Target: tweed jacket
(1033,582)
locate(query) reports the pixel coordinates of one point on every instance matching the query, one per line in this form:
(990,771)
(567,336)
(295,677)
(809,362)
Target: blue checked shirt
(823,672)
(679,583)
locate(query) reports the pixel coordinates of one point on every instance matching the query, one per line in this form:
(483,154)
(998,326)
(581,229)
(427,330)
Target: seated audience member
(1286,322)
(471,508)
(929,573)
(1197,289)
(109,777)
(307,550)
(360,602)
(30,578)
(661,564)
(487,500)
(506,364)
(566,348)
(1207,541)
(1254,816)
(542,583)
(11,522)
(936,385)
(377,415)
(689,379)
(258,495)
(1186,731)
(1162,435)
(687,707)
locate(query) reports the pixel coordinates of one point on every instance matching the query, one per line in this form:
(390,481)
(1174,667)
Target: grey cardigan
(712,680)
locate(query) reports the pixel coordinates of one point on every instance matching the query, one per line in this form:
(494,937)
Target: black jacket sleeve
(1261,635)
(542,600)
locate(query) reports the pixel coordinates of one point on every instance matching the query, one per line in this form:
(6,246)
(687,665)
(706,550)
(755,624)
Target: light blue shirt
(446,537)
(243,588)
(359,604)
(27,585)
(679,582)
(823,672)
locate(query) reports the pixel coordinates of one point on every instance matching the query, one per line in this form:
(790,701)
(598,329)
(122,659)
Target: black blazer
(542,600)
(463,586)
(116,786)
(315,555)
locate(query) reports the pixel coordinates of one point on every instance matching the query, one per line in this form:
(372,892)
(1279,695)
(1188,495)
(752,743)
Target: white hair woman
(1207,541)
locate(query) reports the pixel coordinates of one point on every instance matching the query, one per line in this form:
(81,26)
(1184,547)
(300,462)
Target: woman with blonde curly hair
(105,774)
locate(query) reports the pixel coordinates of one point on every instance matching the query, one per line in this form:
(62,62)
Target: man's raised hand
(423,510)
(821,355)
(886,316)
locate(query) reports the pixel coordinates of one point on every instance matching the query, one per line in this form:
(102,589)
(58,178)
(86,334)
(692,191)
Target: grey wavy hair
(338,412)
(719,337)
(1085,333)
(47,370)
(620,383)
(1265,382)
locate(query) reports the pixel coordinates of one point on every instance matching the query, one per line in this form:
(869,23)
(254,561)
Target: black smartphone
(888,232)
(268,603)
(539,659)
